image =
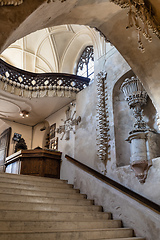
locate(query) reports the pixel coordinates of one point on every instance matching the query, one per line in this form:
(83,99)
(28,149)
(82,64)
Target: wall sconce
(24,113)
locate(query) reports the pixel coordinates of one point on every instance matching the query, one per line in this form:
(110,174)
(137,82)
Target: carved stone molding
(103,136)
(10,2)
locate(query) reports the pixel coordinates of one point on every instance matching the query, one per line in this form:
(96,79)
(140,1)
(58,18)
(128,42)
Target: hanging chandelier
(142,17)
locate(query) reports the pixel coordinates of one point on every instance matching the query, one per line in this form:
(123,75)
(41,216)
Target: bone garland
(103,136)
(139,12)
(32,92)
(10,2)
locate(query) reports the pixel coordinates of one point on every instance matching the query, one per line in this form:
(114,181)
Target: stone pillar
(138,160)
(144,146)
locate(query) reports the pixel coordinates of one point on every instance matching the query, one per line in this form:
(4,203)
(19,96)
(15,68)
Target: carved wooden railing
(28,84)
(139,198)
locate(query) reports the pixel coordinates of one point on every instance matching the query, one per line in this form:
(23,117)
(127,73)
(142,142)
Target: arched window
(85,67)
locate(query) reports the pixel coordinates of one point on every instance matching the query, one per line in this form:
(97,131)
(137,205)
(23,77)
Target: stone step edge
(64,221)
(36,196)
(50,203)
(11,175)
(63,231)
(33,183)
(46,211)
(35,190)
(98,207)
(56,197)
(61,185)
(27,179)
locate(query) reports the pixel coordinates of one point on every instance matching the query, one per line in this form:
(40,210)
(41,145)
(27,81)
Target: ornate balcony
(31,85)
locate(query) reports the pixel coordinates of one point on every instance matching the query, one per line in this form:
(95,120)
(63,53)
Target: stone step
(35,192)
(57,225)
(21,215)
(36,208)
(30,178)
(109,233)
(34,183)
(47,207)
(51,200)
(35,187)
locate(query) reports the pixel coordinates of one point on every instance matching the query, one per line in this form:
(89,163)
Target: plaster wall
(115,66)
(144,221)
(26,132)
(85,149)
(82,146)
(64,146)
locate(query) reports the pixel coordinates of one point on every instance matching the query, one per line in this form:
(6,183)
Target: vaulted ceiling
(110,19)
(54,49)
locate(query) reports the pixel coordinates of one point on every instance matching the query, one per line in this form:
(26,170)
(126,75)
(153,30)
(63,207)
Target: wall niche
(124,121)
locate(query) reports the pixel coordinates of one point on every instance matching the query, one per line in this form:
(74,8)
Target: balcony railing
(28,84)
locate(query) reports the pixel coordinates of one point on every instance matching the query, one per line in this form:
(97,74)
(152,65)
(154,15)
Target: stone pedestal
(144,147)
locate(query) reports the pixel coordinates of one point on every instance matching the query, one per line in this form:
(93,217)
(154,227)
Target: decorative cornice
(10,2)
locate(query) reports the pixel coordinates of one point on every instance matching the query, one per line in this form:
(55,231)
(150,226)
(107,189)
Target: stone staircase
(36,208)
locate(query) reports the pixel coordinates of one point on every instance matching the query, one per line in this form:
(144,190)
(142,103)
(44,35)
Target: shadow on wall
(124,121)
(40,134)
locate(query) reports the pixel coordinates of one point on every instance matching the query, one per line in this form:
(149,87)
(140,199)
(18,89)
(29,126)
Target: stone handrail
(28,84)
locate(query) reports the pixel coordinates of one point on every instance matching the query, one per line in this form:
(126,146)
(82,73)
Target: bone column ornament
(103,136)
(140,137)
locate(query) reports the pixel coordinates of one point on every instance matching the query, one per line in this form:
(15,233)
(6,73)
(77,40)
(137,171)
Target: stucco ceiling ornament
(103,136)
(69,124)
(10,2)
(142,17)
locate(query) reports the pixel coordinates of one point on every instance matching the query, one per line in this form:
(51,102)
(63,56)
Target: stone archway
(110,19)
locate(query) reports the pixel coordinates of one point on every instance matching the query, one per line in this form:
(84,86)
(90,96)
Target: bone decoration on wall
(69,124)
(141,16)
(103,136)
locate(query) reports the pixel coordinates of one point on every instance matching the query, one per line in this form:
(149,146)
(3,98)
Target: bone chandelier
(141,16)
